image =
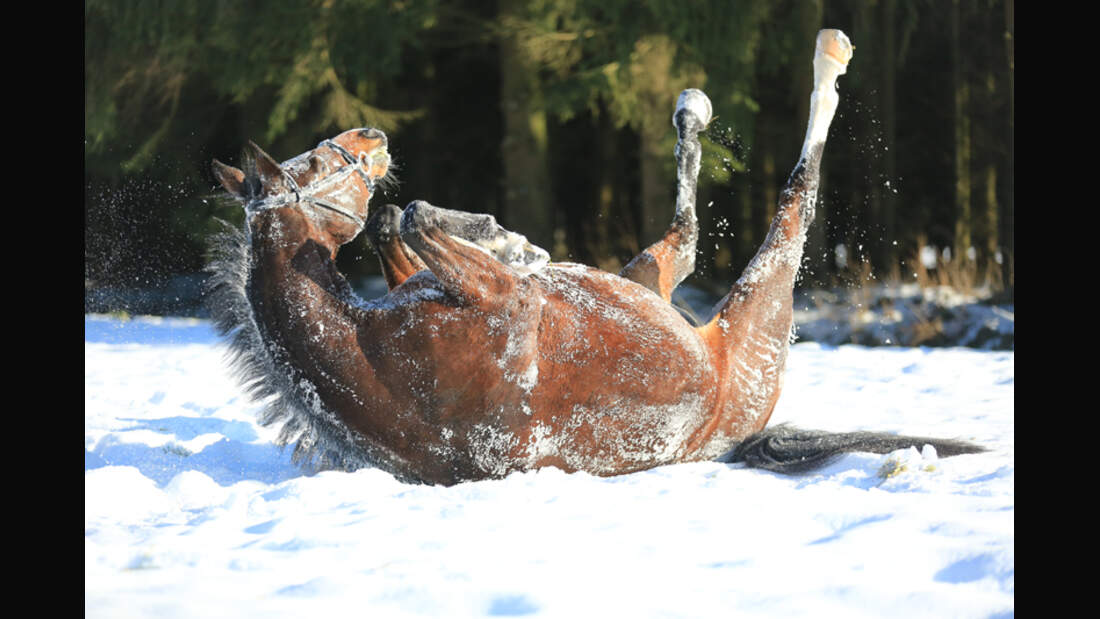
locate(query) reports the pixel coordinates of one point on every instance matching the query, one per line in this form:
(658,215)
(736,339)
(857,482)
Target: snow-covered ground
(907,315)
(191,511)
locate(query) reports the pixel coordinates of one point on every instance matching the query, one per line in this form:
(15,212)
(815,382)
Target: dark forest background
(555,116)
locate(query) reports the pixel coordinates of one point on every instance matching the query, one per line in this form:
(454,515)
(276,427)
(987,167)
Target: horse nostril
(374,134)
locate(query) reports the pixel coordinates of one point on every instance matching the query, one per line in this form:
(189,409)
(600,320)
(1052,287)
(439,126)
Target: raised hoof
(384,224)
(835,45)
(693,110)
(478,230)
(419,215)
(475,228)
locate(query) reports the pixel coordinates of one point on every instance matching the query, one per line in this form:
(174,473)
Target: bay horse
(485,358)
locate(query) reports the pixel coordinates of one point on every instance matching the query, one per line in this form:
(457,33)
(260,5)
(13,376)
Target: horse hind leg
(399,262)
(750,333)
(666,263)
(771,274)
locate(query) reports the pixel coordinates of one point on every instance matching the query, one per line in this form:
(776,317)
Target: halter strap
(305,194)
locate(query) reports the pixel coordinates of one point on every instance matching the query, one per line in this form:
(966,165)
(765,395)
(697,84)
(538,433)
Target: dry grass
(959,273)
(909,304)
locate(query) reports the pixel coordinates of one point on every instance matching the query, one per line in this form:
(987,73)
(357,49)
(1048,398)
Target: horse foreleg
(664,264)
(398,261)
(471,256)
(750,334)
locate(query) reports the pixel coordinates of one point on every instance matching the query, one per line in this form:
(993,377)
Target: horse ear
(271,173)
(231,178)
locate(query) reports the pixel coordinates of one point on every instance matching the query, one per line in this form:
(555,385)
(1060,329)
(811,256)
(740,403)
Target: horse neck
(294,281)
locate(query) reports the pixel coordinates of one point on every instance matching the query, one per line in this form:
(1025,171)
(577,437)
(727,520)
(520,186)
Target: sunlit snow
(191,511)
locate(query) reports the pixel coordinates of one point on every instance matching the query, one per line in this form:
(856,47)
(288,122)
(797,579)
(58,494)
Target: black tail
(786,449)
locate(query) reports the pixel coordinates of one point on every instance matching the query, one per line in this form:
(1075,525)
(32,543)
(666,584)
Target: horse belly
(578,372)
(624,381)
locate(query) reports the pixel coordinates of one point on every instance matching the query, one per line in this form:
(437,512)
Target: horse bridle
(307,194)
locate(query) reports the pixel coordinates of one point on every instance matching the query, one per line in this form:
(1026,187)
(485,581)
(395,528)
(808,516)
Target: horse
(484,357)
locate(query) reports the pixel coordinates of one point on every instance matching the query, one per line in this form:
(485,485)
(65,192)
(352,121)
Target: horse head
(330,185)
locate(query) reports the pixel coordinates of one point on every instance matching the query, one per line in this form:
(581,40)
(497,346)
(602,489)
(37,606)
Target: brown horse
(483,359)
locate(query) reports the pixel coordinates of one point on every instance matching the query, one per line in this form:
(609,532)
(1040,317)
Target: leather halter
(298,194)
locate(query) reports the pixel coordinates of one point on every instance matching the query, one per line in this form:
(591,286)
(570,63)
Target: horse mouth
(378,163)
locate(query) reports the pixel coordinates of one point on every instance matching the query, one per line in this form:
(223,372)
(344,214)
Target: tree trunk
(987,245)
(962,138)
(869,187)
(526,189)
(604,245)
(656,211)
(888,253)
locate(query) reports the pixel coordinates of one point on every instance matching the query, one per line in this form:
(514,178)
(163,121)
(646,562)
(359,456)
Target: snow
(191,511)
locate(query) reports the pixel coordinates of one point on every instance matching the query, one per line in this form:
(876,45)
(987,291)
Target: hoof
(693,107)
(418,215)
(384,224)
(834,44)
(475,228)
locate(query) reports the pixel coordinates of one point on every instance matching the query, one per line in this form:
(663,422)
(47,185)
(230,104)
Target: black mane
(323,441)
